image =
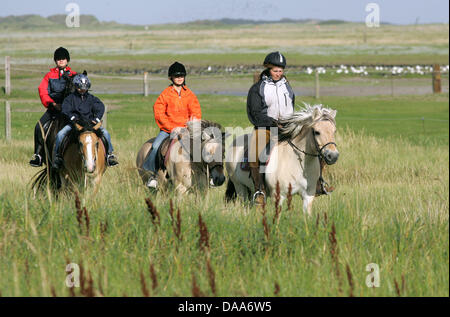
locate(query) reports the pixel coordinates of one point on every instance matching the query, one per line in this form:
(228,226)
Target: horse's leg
(96,182)
(307,203)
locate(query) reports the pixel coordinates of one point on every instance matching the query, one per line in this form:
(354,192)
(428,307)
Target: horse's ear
(79,127)
(85,73)
(333,113)
(205,136)
(316,114)
(97,126)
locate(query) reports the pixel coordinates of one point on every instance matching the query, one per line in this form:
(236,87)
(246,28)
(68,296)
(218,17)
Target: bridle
(205,167)
(319,150)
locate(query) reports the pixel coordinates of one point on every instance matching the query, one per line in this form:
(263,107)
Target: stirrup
(36,160)
(259,192)
(324,185)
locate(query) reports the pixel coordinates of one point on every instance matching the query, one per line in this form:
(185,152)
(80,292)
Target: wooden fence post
(7,76)
(255,77)
(392,85)
(145,84)
(317,84)
(105,117)
(437,88)
(7,121)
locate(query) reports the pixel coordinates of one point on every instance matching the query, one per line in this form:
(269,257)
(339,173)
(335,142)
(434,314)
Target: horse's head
(318,125)
(213,152)
(88,140)
(323,134)
(212,148)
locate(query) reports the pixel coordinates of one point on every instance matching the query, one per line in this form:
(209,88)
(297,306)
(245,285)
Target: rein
(319,150)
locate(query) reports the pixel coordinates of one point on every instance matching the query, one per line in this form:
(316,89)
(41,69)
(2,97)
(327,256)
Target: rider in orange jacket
(175,106)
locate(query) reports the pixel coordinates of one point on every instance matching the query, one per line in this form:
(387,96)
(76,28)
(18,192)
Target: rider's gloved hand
(176,131)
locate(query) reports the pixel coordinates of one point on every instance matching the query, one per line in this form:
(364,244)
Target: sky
(147,12)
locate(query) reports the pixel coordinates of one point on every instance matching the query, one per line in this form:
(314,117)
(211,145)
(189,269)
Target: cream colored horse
(195,158)
(303,138)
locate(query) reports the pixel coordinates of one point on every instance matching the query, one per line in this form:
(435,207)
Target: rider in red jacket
(52,92)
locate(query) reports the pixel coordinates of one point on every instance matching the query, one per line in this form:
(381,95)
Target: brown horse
(84,161)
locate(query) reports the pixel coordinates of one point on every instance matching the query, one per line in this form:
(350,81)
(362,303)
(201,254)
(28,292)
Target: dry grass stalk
(79,211)
(277,289)
(325,219)
(211,277)
(82,280)
(87,220)
(52,290)
(403,284)
(178,226)
(277,203)
(196,292)
(103,229)
(266,228)
(350,280)
(204,234)
(156,220)
(334,255)
(397,288)
(289,197)
(153,277)
(176,223)
(144,288)
(90,289)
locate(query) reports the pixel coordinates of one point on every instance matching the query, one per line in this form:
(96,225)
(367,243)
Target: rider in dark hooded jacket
(81,105)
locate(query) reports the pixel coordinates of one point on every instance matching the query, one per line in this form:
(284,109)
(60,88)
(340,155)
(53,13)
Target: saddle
(163,153)
(245,164)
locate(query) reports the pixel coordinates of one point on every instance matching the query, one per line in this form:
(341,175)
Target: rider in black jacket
(81,105)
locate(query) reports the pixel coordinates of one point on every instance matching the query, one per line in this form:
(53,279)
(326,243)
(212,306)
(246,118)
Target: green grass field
(390,207)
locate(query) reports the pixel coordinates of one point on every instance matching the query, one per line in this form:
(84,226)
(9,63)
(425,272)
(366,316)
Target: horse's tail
(41,178)
(230,193)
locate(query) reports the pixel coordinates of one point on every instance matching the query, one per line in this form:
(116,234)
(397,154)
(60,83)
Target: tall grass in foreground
(390,207)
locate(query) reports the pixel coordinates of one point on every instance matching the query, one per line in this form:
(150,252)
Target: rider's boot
(259,196)
(112,160)
(37,158)
(152,182)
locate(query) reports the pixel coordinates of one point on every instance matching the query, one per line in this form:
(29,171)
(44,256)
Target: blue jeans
(149,164)
(66,130)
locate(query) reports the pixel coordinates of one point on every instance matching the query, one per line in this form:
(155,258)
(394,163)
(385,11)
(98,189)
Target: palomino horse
(195,157)
(303,139)
(84,160)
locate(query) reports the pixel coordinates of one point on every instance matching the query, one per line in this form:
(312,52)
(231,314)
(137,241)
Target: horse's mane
(87,127)
(306,117)
(195,132)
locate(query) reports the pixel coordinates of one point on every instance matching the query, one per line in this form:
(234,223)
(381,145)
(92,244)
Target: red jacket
(53,85)
(172,110)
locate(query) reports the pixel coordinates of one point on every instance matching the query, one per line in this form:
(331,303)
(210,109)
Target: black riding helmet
(177,69)
(61,53)
(275,59)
